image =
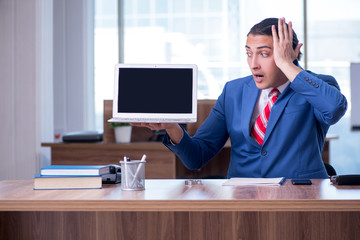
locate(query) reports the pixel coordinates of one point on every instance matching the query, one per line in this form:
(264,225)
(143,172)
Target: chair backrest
(330,169)
(204,108)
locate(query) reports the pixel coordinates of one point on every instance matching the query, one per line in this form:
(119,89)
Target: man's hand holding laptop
(174,130)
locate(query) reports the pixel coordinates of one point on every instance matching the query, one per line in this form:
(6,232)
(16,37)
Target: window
(106,54)
(333,43)
(209,33)
(212,34)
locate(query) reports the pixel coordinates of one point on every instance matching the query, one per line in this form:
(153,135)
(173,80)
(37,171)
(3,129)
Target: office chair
(330,169)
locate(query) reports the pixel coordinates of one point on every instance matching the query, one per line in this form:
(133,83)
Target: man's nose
(254,63)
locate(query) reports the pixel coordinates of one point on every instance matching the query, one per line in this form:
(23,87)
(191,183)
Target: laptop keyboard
(149,120)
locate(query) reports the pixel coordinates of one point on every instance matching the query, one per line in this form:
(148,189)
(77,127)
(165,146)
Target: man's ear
(296,62)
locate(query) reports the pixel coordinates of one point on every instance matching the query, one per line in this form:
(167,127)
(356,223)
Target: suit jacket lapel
(249,100)
(277,110)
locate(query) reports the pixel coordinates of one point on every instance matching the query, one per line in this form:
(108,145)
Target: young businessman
(273,133)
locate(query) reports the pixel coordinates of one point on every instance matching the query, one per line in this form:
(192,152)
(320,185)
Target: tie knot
(274,92)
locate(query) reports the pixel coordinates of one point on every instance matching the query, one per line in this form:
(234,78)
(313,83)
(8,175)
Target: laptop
(155,93)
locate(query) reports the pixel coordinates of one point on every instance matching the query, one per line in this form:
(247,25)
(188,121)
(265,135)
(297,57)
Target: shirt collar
(281,88)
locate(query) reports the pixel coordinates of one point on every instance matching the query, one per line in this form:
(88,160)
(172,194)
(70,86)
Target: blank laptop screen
(155,90)
(155,93)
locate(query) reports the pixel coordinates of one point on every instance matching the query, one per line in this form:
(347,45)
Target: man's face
(260,57)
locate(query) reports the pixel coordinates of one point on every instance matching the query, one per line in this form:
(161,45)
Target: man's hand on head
(284,54)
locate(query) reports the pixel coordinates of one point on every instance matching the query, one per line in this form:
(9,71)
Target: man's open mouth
(259,76)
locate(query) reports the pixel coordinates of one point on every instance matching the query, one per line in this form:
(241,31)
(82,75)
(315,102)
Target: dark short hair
(264,28)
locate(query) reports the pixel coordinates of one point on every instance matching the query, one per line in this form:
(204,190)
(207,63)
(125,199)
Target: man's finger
(286,29)
(290,32)
(275,36)
(280,29)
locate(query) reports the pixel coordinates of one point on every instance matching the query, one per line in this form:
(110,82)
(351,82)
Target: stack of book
(70,177)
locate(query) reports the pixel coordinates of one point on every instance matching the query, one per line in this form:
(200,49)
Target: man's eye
(248,54)
(264,54)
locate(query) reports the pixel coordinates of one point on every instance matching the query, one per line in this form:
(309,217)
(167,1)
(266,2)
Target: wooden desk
(160,161)
(168,209)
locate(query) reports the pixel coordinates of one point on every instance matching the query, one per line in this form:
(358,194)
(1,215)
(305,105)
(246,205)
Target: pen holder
(132,175)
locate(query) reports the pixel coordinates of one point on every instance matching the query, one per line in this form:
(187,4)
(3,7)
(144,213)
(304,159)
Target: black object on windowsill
(83,136)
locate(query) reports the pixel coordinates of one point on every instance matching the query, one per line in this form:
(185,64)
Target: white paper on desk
(253,181)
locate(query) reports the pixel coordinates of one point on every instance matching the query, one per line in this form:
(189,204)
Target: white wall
(73,65)
(21,76)
(33,49)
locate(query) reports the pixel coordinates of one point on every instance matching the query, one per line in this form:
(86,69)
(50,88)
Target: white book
(254,181)
(81,170)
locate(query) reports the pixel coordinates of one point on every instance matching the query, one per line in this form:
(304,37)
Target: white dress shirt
(263,100)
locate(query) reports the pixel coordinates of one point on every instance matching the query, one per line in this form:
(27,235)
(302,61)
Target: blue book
(66,182)
(75,170)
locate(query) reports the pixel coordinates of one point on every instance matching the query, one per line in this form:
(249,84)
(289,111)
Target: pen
(282,181)
(138,169)
(125,172)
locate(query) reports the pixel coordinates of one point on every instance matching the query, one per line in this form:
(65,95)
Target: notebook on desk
(254,181)
(155,93)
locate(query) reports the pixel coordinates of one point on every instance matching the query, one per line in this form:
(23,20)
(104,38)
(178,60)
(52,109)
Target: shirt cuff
(171,142)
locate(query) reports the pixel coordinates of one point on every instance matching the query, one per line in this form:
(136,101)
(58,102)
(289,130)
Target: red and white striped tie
(259,128)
